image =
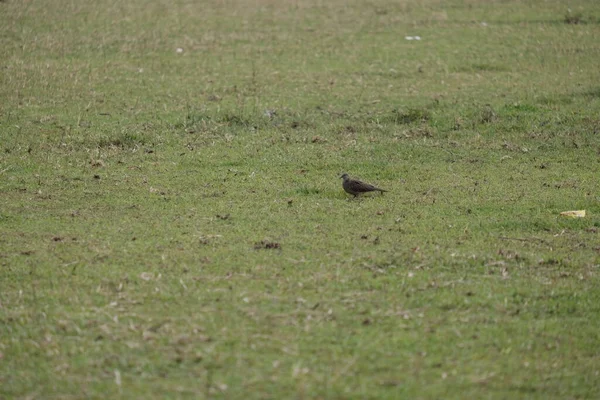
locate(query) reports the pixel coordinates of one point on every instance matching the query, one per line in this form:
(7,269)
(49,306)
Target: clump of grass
(593,93)
(405,117)
(482,67)
(520,108)
(193,119)
(267,244)
(200,121)
(487,114)
(239,120)
(573,18)
(123,140)
(301,124)
(306,191)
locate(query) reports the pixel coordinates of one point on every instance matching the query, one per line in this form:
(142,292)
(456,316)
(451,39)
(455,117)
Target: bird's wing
(363,186)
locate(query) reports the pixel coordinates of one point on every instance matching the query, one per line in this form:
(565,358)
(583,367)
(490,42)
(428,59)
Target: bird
(356,187)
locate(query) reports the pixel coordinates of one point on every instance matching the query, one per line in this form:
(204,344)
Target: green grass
(172,224)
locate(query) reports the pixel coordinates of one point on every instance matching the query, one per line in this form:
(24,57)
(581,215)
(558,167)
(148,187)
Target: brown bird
(356,187)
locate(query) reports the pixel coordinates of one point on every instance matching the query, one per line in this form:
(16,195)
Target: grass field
(172,222)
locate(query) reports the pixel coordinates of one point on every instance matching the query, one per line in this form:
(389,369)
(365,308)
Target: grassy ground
(172,223)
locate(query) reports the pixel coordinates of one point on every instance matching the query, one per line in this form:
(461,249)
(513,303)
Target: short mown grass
(172,222)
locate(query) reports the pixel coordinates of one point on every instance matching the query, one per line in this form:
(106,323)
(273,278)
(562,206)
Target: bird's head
(344,176)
